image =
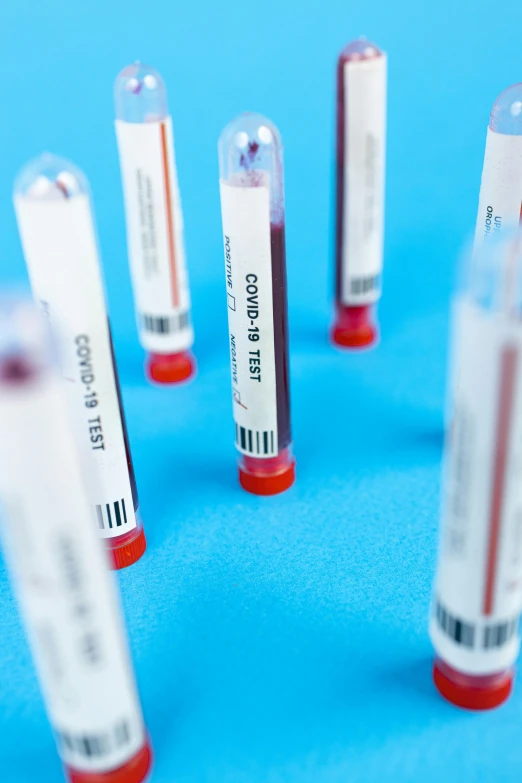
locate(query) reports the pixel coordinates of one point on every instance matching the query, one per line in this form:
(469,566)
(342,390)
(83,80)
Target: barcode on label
(362,285)
(461,632)
(255,441)
(497,635)
(91,745)
(111,515)
(165,324)
(465,633)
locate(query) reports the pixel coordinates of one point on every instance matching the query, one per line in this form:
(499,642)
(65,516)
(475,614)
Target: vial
(474,624)
(253,213)
(154,223)
(500,196)
(360,172)
(56,226)
(67,597)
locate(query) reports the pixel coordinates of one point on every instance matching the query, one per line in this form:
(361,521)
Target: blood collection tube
(360,171)
(477,600)
(154,223)
(67,597)
(500,199)
(252,206)
(58,237)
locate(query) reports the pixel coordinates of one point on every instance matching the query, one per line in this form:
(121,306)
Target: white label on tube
(363,186)
(66,594)
(62,259)
(155,235)
(500,199)
(248,269)
(478,592)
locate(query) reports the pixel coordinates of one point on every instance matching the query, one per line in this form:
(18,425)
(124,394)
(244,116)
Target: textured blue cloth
(276,640)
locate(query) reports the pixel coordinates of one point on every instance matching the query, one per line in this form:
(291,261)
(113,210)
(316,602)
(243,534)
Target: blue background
(279,639)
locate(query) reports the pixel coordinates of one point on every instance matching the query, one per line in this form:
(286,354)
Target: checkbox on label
(231,302)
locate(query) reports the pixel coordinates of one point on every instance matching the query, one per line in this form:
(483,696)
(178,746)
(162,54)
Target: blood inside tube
(277,244)
(252,200)
(128,547)
(14,370)
(124,549)
(339,173)
(156,245)
(112,512)
(275,474)
(130,466)
(476,609)
(354,325)
(256,178)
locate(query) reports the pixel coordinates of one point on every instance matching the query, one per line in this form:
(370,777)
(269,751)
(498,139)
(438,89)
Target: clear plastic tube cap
(50,178)
(360,49)
(140,94)
(506,114)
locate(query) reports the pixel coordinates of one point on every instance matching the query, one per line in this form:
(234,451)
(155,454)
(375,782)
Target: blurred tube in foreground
(253,214)
(154,223)
(57,231)
(360,174)
(500,198)
(66,595)
(477,598)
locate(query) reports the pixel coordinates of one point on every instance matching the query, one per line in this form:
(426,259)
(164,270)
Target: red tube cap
(126,551)
(267,485)
(166,368)
(267,476)
(354,327)
(134,771)
(472,692)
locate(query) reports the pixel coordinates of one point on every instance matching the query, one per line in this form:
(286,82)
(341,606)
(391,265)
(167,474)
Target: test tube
(253,213)
(360,173)
(477,600)
(58,237)
(500,199)
(154,223)
(67,597)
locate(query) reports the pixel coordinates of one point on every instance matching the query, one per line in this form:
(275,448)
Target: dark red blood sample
(354,327)
(280,310)
(15,370)
(129,547)
(246,161)
(275,474)
(128,455)
(62,188)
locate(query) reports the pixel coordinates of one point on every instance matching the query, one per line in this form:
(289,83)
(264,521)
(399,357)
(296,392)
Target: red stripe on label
(508,371)
(170,223)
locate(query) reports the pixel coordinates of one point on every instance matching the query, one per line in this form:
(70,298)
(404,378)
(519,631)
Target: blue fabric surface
(281,639)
